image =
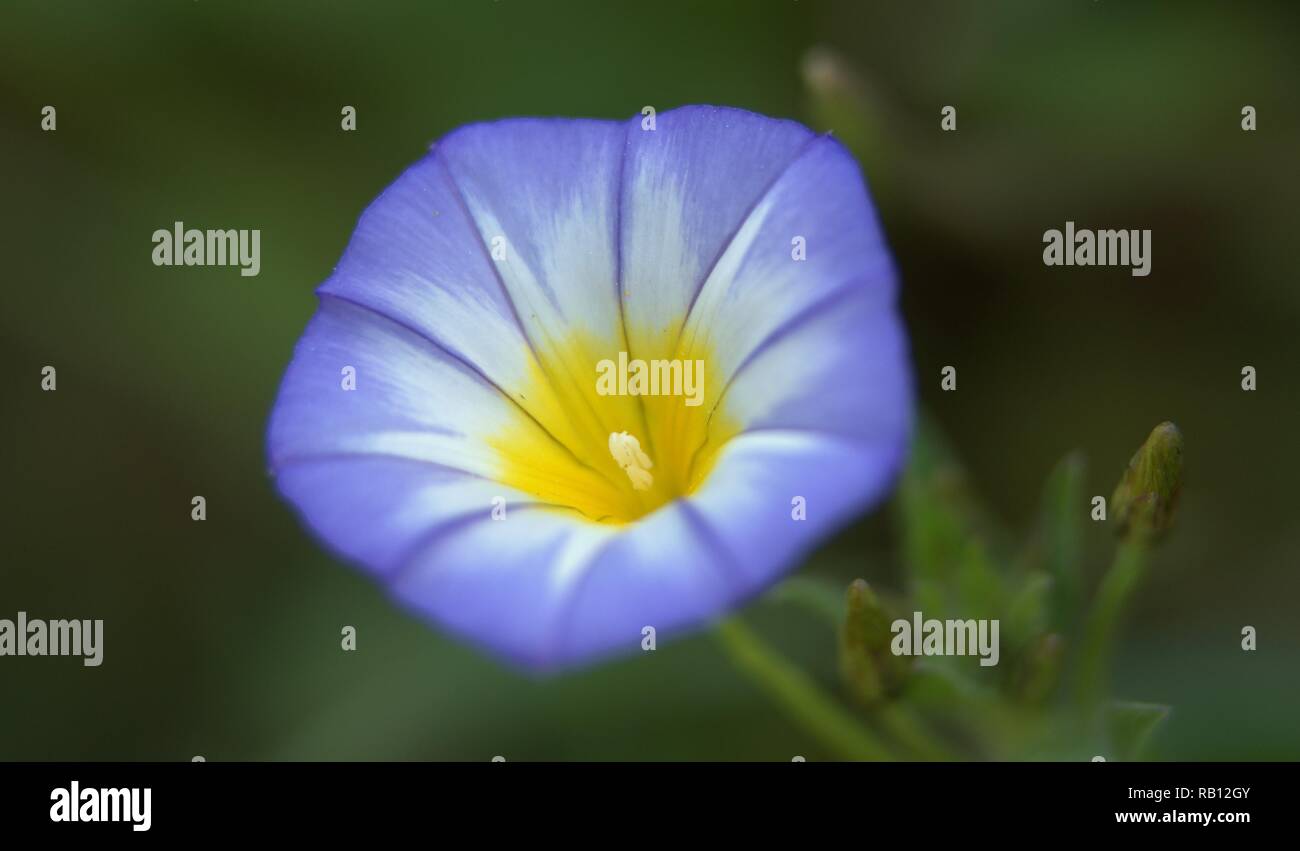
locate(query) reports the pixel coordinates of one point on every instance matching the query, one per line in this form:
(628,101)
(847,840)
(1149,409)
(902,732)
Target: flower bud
(869,668)
(1145,500)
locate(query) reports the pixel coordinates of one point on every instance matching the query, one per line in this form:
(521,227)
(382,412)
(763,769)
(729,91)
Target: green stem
(1099,636)
(819,713)
(907,729)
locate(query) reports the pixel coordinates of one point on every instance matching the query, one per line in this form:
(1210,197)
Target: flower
(466,458)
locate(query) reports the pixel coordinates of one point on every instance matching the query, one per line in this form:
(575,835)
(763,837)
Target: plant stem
(907,729)
(798,695)
(1099,636)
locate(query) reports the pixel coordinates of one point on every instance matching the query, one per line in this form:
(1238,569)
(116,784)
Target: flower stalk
(799,696)
(1117,588)
(1143,504)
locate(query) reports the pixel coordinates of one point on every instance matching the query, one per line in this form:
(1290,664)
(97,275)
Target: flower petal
(410,397)
(543,194)
(694,559)
(839,367)
(411,400)
(547,590)
(689,186)
(811,237)
(417,258)
(504,584)
(380,509)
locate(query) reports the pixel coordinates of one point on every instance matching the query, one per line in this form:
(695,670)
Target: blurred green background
(222,637)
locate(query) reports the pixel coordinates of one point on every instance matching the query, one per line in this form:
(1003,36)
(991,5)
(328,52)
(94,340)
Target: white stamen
(626,450)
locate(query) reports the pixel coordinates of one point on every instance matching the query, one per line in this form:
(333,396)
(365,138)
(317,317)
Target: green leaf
(1062,540)
(1038,669)
(1026,615)
(981,588)
(1130,725)
(943,529)
(818,597)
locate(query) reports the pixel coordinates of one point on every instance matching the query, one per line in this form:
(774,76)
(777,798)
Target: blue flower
(441,422)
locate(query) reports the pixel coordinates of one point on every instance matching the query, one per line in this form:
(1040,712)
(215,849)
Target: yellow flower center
(614,456)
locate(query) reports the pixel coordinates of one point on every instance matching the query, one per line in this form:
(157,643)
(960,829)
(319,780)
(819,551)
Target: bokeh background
(222,637)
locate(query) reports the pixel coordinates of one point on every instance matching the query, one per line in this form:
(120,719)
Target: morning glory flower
(441,422)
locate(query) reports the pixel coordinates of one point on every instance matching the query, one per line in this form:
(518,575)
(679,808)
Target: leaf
(934,505)
(946,535)
(981,588)
(1062,539)
(1038,669)
(818,597)
(1131,724)
(1026,614)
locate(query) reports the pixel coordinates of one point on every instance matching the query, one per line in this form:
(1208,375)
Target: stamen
(627,453)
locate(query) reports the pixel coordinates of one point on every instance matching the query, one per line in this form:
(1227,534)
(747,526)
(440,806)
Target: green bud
(844,103)
(870,670)
(1147,496)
